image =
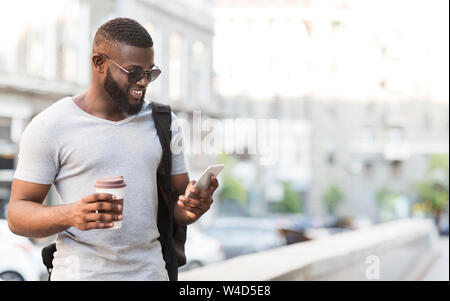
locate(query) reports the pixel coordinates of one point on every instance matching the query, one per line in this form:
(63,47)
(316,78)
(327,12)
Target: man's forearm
(31,219)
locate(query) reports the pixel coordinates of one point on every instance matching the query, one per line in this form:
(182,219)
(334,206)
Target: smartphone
(205,179)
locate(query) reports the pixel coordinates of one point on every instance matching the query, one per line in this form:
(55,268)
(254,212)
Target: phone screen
(205,179)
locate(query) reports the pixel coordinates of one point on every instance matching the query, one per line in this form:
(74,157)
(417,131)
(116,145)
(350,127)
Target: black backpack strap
(172,237)
(162,117)
(47,257)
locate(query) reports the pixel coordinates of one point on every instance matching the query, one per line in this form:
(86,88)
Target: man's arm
(27,216)
(191,203)
(180,183)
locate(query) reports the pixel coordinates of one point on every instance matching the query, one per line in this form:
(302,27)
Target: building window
(331,158)
(370,108)
(198,72)
(395,134)
(5,129)
(68,54)
(331,149)
(427,122)
(6,162)
(3,57)
(5,193)
(156,86)
(396,168)
(368,168)
(333,112)
(31,52)
(447,123)
(68,43)
(175,66)
(368,134)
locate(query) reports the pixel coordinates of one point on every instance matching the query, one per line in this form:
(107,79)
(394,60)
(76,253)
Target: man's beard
(119,97)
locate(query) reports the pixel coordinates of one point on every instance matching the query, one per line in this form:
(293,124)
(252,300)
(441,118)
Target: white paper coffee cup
(115,186)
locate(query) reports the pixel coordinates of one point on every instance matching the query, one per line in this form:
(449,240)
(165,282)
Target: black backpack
(172,236)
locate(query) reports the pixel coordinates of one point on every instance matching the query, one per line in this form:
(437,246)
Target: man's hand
(195,201)
(95,211)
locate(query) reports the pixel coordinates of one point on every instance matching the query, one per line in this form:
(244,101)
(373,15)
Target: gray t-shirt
(70,148)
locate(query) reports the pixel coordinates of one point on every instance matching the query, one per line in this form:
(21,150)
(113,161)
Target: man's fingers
(197,193)
(103,217)
(189,202)
(190,186)
(205,194)
(98,225)
(198,201)
(95,197)
(214,184)
(192,191)
(202,204)
(190,208)
(104,206)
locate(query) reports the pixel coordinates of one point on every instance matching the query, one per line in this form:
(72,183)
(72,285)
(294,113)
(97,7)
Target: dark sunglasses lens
(135,75)
(153,74)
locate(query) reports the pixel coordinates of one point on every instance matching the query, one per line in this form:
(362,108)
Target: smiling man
(105,131)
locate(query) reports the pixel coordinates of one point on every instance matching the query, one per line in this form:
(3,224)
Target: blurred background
(348,98)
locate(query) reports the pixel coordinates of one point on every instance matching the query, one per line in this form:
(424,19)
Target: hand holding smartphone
(205,179)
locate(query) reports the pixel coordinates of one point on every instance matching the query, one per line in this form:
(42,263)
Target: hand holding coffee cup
(116,187)
(96,211)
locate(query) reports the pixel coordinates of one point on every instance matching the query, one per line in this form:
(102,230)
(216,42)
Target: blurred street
(329,123)
(439,269)
(403,250)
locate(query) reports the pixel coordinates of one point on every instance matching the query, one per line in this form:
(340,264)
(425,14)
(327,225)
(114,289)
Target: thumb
(190,185)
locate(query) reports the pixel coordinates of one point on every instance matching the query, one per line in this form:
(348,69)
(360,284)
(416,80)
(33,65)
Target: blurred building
(47,57)
(372,95)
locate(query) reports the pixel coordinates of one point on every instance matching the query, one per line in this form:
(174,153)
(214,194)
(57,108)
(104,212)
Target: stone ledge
(400,245)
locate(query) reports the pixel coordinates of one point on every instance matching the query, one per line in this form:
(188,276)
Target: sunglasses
(135,74)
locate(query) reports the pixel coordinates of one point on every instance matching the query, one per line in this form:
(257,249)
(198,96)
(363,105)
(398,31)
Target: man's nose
(143,81)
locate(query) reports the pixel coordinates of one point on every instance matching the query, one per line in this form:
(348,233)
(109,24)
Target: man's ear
(98,60)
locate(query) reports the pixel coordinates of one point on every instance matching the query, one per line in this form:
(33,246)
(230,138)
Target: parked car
(245,235)
(201,249)
(444,221)
(20,259)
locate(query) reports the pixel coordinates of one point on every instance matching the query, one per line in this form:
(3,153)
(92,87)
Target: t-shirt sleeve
(178,163)
(38,156)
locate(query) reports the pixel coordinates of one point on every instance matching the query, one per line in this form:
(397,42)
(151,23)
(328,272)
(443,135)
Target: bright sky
(260,60)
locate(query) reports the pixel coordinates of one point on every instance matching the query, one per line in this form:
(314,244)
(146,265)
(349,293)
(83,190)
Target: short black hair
(123,30)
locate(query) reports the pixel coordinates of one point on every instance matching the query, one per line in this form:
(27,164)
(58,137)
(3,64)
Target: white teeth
(137,92)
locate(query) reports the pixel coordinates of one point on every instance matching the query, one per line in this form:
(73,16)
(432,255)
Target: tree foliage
(433,190)
(291,202)
(232,189)
(332,198)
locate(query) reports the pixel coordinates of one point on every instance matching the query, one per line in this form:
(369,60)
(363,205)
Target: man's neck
(98,104)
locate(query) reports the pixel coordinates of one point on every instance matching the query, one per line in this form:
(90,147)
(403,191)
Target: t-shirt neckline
(120,122)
